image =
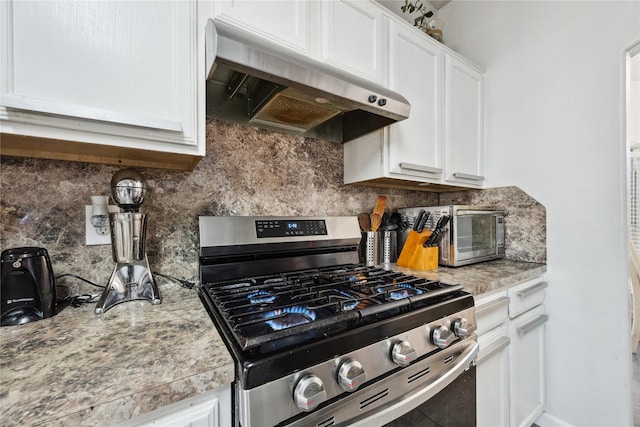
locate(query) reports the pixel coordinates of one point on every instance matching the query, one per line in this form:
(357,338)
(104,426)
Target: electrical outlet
(93,236)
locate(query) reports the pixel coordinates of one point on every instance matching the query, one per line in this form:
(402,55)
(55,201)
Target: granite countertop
(484,277)
(78,368)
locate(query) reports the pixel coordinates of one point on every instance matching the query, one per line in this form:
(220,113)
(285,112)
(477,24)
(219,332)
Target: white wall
(554,128)
(633,133)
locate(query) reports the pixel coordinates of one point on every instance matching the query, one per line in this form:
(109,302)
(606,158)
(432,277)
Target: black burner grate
(303,305)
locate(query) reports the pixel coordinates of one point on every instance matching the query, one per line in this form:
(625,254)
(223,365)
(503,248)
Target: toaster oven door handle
(461,175)
(401,407)
(461,212)
(420,168)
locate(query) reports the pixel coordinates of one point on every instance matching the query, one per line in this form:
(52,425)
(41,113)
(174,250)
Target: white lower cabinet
(210,409)
(527,367)
(510,370)
(492,380)
(492,372)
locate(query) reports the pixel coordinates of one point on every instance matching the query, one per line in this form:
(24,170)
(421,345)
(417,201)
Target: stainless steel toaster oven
(475,233)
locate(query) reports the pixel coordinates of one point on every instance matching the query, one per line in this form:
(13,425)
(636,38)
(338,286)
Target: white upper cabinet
(348,34)
(441,144)
(464,118)
(116,74)
(285,22)
(353,37)
(416,72)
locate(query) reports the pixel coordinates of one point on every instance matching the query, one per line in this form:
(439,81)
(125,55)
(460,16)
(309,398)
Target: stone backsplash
(246,172)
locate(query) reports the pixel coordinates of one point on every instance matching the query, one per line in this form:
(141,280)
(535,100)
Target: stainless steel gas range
(321,340)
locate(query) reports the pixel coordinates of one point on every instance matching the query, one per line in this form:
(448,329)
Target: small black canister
(27,286)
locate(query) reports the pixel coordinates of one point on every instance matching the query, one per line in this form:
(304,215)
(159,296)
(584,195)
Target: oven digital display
(290,228)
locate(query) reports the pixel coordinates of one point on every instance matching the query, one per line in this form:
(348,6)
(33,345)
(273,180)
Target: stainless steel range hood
(251,82)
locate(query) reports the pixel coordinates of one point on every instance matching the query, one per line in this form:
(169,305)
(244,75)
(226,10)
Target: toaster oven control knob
(351,374)
(309,393)
(403,354)
(443,337)
(463,328)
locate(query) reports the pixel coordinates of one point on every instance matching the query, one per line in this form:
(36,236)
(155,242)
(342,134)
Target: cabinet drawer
(525,296)
(491,311)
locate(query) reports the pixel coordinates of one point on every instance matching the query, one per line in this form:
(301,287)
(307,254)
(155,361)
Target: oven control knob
(463,328)
(351,374)
(443,337)
(403,354)
(309,393)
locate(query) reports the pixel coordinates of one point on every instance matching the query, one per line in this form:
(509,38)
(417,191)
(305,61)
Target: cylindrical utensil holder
(389,247)
(128,231)
(378,247)
(370,248)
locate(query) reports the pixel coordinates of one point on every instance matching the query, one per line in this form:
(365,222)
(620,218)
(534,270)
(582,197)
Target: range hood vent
(252,82)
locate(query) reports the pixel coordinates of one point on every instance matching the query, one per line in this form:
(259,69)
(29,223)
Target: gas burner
(402,291)
(261,297)
(288,317)
(358,279)
(352,303)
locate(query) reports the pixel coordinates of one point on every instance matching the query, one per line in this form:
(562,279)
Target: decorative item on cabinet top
(425,20)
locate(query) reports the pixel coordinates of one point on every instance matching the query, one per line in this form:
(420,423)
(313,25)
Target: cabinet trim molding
(494,348)
(45,148)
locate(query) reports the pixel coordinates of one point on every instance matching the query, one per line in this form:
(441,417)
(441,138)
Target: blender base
(129,281)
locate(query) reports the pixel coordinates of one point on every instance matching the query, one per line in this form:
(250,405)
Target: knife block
(424,258)
(412,251)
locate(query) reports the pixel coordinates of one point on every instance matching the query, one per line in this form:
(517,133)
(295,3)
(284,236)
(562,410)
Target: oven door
(447,378)
(449,401)
(455,405)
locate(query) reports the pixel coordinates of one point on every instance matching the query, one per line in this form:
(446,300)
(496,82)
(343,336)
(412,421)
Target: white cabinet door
(353,39)
(112,73)
(492,374)
(527,367)
(492,379)
(416,71)
(442,141)
(285,22)
(210,409)
(464,122)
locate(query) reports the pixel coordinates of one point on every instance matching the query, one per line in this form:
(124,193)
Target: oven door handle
(397,409)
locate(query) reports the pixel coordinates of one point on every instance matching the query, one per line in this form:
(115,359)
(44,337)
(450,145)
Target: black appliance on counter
(27,286)
(321,340)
